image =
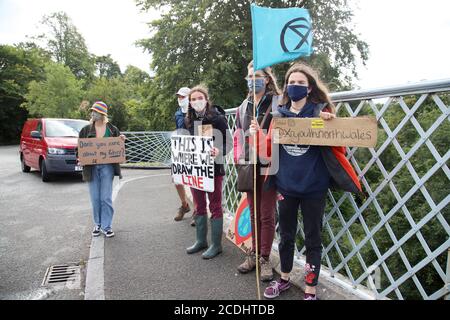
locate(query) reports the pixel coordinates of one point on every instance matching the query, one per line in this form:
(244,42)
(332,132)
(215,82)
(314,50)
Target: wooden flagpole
(255,148)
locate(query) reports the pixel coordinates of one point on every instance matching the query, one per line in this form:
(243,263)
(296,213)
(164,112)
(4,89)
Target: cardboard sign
(205,130)
(101,151)
(192,163)
(240,230)
(346,132)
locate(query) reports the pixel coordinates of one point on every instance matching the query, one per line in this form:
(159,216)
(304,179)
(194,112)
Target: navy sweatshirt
(302,172)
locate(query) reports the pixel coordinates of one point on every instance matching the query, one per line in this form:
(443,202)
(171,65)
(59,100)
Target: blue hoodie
(179,119)
(302,172)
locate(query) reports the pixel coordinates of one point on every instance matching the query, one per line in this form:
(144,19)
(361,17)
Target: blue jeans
(100,188)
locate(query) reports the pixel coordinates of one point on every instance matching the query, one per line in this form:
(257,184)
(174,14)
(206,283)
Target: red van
(49,145)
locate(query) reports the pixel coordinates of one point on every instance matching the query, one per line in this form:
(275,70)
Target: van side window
(39,127)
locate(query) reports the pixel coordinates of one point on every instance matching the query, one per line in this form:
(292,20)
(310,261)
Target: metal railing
(147,149)
(394,244)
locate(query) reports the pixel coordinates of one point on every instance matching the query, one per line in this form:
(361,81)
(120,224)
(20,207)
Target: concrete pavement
(147,258)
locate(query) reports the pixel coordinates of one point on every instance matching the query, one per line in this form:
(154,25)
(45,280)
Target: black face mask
(296,92)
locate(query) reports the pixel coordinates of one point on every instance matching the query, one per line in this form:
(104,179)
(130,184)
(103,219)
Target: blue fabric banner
(280,35)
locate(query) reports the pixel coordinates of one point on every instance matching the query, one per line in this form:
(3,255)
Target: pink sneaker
(309,296)
(275,288)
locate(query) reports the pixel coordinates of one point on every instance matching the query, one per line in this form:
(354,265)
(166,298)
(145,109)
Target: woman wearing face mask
(100,177)
(305,173)
(180,114)
(266,95)
(202,112)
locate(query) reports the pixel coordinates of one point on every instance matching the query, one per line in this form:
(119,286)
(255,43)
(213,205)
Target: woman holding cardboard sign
(100,176)
(266,95)
(305,173)
(203,115)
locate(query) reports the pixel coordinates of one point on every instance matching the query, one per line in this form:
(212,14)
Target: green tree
(137,111)
(114,92)
(210,42)
(67,45)
(107,67)
(126,96)
(139,105)
(18,67)
(138,80)
(58,95)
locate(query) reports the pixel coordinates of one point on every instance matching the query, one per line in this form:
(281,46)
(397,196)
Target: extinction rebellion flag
(280,35)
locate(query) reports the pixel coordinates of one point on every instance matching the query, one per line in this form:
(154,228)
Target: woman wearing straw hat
(100,177)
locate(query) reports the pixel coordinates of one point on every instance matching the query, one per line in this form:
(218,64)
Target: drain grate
(62,274)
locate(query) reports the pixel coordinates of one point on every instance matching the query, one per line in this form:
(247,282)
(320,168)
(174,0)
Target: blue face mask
(260,85)
(297,93)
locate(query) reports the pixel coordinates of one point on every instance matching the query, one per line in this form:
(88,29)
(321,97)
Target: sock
(284,281)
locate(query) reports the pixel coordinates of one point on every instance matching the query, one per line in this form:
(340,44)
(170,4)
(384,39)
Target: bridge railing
(147,149)
(395,243)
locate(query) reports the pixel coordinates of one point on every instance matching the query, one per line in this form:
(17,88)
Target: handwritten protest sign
(240,230)
(101,150)
(192,164)
(349,132)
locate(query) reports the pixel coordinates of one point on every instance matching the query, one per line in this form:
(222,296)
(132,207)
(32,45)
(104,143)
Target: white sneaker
(96,231)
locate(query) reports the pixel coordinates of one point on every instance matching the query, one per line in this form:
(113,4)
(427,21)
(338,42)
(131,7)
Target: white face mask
(184,104)
(199,105)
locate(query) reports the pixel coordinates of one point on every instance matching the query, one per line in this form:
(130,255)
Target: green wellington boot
(216,239)
(201,229)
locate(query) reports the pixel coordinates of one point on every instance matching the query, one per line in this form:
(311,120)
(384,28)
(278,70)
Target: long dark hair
(319,91)
(190,115)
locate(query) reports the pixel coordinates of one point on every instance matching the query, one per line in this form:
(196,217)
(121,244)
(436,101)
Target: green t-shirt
(107,133)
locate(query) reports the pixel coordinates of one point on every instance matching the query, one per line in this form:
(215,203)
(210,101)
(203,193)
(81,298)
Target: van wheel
(44,174)
(25,168)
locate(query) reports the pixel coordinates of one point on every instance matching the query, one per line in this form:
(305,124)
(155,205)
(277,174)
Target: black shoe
(96,231)
(109,233)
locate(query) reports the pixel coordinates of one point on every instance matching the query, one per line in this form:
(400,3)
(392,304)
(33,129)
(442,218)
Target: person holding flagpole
(265,97)
(305,173)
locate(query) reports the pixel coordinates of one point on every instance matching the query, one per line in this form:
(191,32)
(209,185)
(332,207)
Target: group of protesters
(288,177)
(292,176)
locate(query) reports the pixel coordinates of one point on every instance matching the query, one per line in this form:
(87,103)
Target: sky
(408,39)
(109,27)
